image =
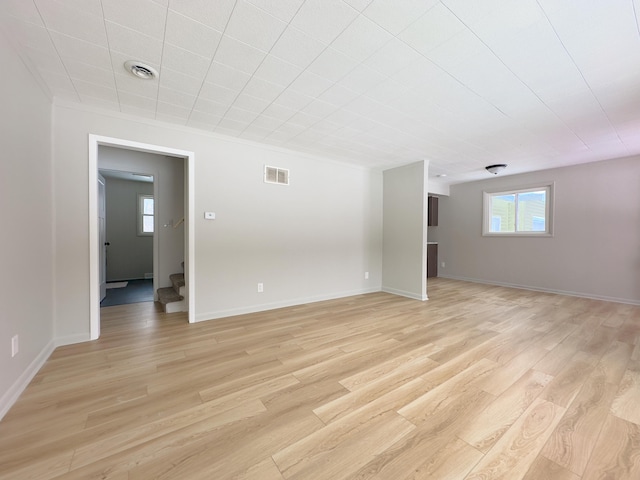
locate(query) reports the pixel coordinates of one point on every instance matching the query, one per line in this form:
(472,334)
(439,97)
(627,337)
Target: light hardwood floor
(480,382)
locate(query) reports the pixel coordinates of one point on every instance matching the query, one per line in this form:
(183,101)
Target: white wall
(168,174)
(26,253)
(595,250)
(404,268)
(129,255)
(308,241)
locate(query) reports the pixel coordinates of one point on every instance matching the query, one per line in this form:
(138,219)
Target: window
(145,214)
(525,212)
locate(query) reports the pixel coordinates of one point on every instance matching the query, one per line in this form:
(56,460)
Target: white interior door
(102,236)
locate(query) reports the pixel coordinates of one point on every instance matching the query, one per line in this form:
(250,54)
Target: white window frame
(141,199)
(549,187)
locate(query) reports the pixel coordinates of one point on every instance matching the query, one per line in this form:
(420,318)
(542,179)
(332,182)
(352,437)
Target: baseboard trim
(402,293)
(203,317)
(11,396)
(545,290)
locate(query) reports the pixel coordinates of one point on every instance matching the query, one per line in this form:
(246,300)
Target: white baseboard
(202,317)
(545,290)
(11,396)
(402,293)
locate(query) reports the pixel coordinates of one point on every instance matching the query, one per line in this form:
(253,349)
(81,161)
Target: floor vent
(276,175)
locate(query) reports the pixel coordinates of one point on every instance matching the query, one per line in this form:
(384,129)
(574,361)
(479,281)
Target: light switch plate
(209,215)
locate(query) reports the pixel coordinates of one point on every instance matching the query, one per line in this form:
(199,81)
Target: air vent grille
(276,175)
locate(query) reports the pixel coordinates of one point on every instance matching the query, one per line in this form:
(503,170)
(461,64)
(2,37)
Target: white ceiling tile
(73,20)
(282,9)
(279,112)
(86,52)
(471,12)
(204,118)
(172,119)
(253,26)
(184,61)
(178,81)
(175,97)
(338,95)
(135,44)
(277,71)
(432,29)
(231,126)
(82,71)
(332,65)
(392,57)
(128,83)
(172,110)
(58,83)
(266,123)
(191,35)
(509,20)
(217,93)
(145,16)
(359,5)
(319,108)
(210,107)
(238,55)
(136,101)
(226,76)
(293,99)
(24,11)
(47,60)
(311,84)
(418,74)
(324,20)
(94,90)
(387,91)
(457,51)
(256,87)
(361,39)
(395,16)
(240,115)
(297,48)
(304,119)
(213,13)
(252,104)
(361,79)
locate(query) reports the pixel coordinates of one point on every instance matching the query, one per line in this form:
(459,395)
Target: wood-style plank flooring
(479,382)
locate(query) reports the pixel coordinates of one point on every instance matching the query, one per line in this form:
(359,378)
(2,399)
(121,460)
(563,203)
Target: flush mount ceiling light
(495,169)
(140,70)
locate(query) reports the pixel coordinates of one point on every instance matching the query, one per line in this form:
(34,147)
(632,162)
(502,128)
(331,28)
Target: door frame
(96,141)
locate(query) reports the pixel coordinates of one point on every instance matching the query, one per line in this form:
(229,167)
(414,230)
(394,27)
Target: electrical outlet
(260,287)
(366,275)
(442,265)
(14,345)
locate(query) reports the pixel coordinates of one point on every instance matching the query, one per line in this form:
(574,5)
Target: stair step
(177,280)
(168,295)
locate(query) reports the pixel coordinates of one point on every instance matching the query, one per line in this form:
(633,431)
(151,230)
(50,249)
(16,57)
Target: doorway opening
(127,222)
(119,149)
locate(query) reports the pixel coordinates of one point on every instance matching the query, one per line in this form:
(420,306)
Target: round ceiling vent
(140,70)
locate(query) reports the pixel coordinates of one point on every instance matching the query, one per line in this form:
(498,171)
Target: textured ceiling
(462,83)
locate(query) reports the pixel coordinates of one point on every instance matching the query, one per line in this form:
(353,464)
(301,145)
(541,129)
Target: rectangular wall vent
(276,175)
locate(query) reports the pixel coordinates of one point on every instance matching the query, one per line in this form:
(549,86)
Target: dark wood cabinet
(432,211)
(432,260)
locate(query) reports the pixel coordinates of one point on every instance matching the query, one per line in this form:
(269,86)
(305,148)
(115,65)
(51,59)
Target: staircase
(172,298)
